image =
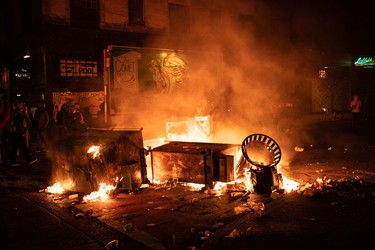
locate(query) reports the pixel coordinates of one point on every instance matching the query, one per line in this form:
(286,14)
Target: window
(135,8)
(84,13)
(179,18)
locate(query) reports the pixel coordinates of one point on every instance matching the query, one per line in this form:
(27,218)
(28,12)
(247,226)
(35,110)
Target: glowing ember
(249,184)
(220,187)
(94,150)
(195,186)
(102,194)
(58,188)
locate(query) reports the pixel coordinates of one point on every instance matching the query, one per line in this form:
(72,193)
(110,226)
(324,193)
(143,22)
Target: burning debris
(99,156)
(58,188)
(214,168)
(101,195)
(325,185)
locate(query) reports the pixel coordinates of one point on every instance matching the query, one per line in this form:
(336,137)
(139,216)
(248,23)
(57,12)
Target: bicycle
(331,114)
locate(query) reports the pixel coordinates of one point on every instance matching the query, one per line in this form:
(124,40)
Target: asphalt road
(336,212)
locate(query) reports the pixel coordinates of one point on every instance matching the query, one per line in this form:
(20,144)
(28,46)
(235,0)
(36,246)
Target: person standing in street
(356,106)
(18,129)
(29,119)
(4,117)
(41,122)
(77,125)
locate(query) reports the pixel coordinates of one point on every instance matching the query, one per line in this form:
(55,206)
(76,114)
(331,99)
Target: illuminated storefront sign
(365,61)
(78,68)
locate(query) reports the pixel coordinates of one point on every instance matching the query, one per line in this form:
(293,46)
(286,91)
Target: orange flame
(94,150)
(289,185)
(102,194)
(58,188)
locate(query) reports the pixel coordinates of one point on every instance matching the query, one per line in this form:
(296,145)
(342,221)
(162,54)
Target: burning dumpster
(196,162)
(101,155)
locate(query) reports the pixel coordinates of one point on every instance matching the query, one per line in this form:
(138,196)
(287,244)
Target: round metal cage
(271,146)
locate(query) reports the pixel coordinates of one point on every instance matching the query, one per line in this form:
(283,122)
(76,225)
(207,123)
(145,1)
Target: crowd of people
(21,124)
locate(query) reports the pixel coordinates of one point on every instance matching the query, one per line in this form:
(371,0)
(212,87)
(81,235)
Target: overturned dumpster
(101,155)
(195,162)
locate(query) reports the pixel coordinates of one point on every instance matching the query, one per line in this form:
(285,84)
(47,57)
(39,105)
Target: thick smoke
(248,79)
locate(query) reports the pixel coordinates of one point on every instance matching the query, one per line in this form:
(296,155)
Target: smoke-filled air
(249,78)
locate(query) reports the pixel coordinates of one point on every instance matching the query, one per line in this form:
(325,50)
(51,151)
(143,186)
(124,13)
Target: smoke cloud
(250,78)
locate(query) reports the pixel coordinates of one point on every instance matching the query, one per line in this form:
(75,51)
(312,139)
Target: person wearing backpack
(18,129)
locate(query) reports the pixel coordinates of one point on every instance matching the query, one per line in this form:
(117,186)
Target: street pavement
(332,208)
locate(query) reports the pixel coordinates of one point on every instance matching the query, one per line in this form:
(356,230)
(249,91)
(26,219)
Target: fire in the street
(220,187)
(197,129)
(102,194)
(195,186)
(289,185)
(59,188)
(94,151)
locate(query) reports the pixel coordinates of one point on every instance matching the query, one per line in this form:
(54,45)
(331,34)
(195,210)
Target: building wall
(56,11)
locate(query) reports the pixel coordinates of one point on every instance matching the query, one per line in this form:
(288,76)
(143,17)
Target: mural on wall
(168,72)
(137,71)
(89,102)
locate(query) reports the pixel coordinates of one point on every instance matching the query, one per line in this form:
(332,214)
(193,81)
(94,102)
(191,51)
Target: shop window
(135,8)
(84,13)
(179,21)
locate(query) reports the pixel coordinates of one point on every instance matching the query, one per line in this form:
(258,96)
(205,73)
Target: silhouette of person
(356,106)
(41,122)
(18,127)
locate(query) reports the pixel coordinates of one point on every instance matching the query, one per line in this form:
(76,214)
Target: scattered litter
(80,215)
(233,234)
(236,195)
(194,200)
(73,196)
(208,233)
(112,244)
(217,225)
(128,227)
(241,209)
(275,195)
(250,230)
(89,212)
(299,149)
(256,205)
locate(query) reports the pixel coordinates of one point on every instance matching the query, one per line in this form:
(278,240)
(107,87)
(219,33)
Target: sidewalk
(29,221)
